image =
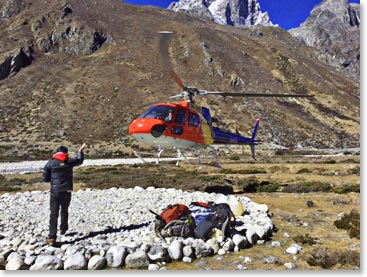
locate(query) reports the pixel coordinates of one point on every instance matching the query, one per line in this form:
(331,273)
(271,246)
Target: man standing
(59,171)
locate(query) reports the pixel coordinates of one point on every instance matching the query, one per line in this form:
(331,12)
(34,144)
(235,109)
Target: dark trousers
(59,200)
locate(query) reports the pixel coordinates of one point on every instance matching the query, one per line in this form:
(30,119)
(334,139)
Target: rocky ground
(113,228)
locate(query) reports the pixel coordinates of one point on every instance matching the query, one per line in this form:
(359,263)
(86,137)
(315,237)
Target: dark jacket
(59,171)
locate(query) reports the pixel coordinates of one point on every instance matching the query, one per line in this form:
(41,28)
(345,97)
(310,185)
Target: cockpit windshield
(159,112)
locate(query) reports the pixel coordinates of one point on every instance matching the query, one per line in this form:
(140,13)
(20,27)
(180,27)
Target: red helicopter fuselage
(182,126)
(167,125)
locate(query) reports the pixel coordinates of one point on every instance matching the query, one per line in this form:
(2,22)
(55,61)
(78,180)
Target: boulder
(15,262)
(115,256)
(175,250)
(137,259)
(47,263)
(76,262)
(97,262)
(157,253)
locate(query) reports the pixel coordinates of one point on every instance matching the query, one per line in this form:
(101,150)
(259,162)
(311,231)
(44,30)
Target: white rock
(157,253)
(188,251)
(213,244)
(276,243)
(115,256)
(247,260)
(187,259)
(175,250)
(260,207)
(76,262)
(47,263)
(29,260)
(228,245)
(294,249)
(251,236)
(221,252)
(241,267)
(153,267)
(137,259)
(290,265)
(97,262)
(240,241)
(15,262)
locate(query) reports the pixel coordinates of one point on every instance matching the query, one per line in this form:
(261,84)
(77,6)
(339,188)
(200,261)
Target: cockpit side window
(180,117)
(193,120)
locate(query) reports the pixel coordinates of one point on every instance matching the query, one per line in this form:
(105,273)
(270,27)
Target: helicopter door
(179,120)
(193,130)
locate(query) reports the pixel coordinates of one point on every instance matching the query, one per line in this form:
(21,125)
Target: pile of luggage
(199,220)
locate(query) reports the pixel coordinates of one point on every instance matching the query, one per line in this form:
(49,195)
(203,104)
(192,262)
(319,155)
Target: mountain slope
(333,28)
(82,70)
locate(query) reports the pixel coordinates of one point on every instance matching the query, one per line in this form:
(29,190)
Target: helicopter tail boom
(221,136)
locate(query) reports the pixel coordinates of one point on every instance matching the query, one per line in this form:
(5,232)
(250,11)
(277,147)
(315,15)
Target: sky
(293,16)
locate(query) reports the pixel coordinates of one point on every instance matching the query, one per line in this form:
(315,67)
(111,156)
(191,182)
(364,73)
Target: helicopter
(184,125)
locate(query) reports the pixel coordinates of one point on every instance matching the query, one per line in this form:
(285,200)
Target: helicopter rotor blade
(163,47)
(251,94)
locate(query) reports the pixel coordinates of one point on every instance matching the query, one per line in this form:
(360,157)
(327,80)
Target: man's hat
(62,149)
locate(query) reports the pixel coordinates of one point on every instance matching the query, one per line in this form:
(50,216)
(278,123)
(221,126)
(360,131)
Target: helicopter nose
(158,130)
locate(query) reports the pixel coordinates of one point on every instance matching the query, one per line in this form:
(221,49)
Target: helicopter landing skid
(180,156)
(200,156)
(215,155)
(157,157)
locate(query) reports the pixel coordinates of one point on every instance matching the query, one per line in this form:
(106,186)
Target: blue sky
(293,16)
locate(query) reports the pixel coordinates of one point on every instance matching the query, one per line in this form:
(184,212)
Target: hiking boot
(62,232)
(51,242)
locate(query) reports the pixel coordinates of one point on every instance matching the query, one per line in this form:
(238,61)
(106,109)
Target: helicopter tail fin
(255,129)
(253,141)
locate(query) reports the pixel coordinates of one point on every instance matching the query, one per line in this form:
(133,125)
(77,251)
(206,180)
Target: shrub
(255,186)
(355,170)
(326,258)
(242,171)
(306,239)
(268,188)
(347,189)
(308,187)
(322,257)
(330,162)
(351,223)
(303,170)
(234,158)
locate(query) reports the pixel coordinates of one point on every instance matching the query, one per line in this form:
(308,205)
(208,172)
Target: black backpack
(223,218)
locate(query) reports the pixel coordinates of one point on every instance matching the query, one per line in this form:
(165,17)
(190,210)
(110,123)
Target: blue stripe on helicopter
(223,136)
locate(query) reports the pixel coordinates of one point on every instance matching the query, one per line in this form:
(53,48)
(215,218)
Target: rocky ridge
(233,12)
(333,27)
(113,229)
